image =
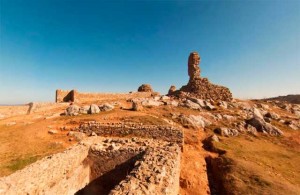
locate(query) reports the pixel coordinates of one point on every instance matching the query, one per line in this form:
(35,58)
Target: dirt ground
(25,139)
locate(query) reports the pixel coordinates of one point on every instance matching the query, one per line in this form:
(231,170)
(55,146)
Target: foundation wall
(151,167)
(165,133)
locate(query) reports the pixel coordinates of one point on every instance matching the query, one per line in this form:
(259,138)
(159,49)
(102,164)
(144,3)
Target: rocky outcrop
(201,87)
(145,88)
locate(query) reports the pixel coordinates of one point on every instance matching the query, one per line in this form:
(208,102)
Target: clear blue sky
(252,47)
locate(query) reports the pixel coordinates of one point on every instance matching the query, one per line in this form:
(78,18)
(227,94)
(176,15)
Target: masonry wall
(73,95)
(153,168)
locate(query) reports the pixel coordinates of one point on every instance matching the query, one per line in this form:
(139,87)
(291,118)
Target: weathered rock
(194,121)
(272,115)
(52,131)
(77,135)
(94,109)
(214,138)
(151,102)
(226,132)
(209,106)
(106,107)
(164,97)
(145,88)
(264,127)
(229,117)
(72,110)
(257,114)
(191,105)
(198,101)
(137,106)
(84,110)
(223,104)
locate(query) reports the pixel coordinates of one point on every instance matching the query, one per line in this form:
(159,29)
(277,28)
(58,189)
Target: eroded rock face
(145,88)
(199,87)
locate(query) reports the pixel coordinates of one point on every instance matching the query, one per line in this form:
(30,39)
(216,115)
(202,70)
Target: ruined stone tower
(201,87)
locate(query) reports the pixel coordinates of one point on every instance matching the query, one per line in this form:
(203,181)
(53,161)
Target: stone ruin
(198,87)
(145,88)
(102,166)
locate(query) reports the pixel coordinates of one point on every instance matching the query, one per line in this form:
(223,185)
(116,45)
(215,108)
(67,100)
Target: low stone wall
(96,163)
(74,95)
(161,132)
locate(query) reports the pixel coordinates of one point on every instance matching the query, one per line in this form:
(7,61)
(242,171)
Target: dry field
(247,164)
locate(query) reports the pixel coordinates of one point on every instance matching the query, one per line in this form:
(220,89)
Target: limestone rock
(84,110)
(72,110)
(94,109)
(151,102)
(145,88)
(226,132)
(194,121)
(272,116)
(52,131)
(137,106)
(106,107)
(264,127)
(191,105)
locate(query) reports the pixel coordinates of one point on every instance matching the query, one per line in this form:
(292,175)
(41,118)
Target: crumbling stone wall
(161,132)
(155,168)
(75,96)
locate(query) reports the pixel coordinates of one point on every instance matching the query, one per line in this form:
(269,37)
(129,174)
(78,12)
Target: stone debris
(94,109)
(226,131)
(72,110)
(52,131)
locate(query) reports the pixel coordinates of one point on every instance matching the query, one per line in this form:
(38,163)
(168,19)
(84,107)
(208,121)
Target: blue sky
(252,47)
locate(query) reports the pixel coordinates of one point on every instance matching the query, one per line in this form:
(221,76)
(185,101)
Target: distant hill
(294,99)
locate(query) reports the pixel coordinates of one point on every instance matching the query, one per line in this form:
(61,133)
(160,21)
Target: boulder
(257,113)
(194,121)
(272,116)
(198,101)
(209,106)
(72,110)
(191,105)
(137,106)
(106,107)
(151,102)
(264,127)
(226,131)
(84,110)
(94,109)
